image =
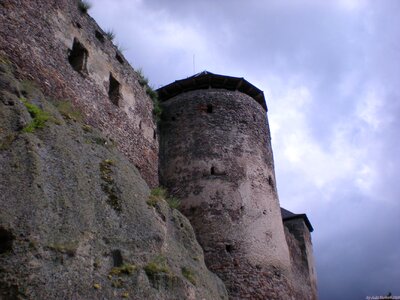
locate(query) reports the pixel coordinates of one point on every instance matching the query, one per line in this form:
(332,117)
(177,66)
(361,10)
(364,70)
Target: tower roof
(288,215)
(205,80)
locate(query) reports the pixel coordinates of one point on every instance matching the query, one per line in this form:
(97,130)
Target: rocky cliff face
(75,220)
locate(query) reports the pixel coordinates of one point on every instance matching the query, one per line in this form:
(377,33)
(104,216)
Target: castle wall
(216,156)
(298,238)
(215,150)
(39,37)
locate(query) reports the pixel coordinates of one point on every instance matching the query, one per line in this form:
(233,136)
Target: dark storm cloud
(330,71)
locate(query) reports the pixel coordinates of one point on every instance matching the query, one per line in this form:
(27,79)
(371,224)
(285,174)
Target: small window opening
(119,58)
(78,57)
(78,25)
(99,36)
(228,248)
(154,134)
(209,108)
(140,125)
(113,91)
(270,182)
(117,258)
(6,240)
(212,171)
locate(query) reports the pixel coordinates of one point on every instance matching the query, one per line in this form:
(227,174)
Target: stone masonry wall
(216,156)
(298,238)
(70,57)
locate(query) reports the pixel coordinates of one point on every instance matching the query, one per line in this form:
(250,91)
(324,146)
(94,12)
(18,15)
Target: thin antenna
(194,64)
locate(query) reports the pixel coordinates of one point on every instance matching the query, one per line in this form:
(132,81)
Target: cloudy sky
(330,71)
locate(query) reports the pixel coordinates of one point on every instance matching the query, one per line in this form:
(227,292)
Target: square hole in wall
(78,57)
(114,90)
(119,58)
(99,36)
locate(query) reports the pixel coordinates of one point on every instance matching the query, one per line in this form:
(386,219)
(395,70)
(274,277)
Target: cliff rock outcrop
(75,220)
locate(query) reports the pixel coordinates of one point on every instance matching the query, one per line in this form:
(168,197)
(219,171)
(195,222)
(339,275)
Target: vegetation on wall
(157,266)
(110,34)
(144,81)
(160,194)
(84,6)
(39,117)
(189,275)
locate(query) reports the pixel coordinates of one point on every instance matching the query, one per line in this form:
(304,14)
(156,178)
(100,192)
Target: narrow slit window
(119,58)
(114,91)
(271,182)
(78,57)
(117,258)
(209,108)
(212,171)
(99,36)
(6,240)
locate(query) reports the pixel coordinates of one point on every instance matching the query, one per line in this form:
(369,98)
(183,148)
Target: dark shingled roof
(205,80)
(288,215)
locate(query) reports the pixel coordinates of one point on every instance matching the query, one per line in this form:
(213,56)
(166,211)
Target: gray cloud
(330,71)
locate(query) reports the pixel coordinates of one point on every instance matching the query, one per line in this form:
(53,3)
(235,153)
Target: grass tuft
(159,194)
(125,269)
(189,275)
(84,6)
(110,34)
(173,202)
(157,266)
(144,81)
(39,116)
(68,248)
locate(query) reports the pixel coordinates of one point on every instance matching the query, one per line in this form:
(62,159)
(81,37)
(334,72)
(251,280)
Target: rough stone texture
(38,36)
(215,155)
(73,207)
(298,238)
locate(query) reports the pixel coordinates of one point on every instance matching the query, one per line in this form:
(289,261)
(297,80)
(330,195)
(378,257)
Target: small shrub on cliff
(143,80)
(110,34)
(68,248)
(156,195)
(173,202)
(39,117)
(189,275)
(84,6)
(159,194)
(125,269)
(157,266)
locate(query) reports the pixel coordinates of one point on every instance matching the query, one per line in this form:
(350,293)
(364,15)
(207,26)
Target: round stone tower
(216,156)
